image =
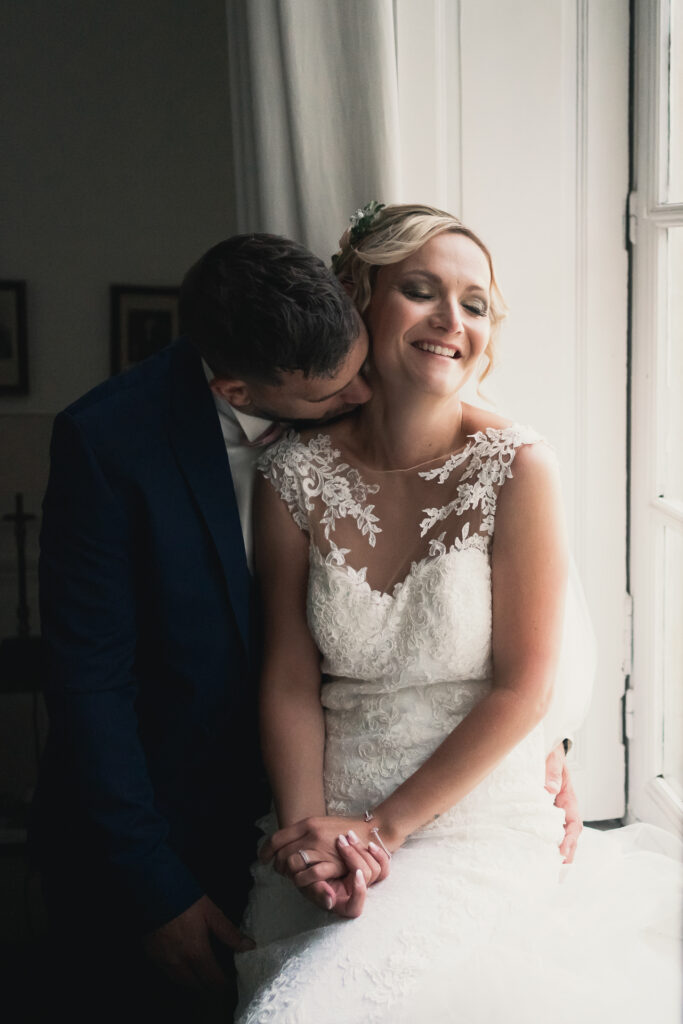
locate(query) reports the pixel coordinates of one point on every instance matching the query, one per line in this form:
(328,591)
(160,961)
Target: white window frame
(651,798)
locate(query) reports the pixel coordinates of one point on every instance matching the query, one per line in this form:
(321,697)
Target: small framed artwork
(13,344)
(143,321)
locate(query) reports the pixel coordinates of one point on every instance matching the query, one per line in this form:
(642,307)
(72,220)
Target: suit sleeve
(89,623)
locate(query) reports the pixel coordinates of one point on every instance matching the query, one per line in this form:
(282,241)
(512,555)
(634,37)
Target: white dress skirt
(479,922)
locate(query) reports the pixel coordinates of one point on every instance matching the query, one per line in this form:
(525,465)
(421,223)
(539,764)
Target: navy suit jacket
(150,781)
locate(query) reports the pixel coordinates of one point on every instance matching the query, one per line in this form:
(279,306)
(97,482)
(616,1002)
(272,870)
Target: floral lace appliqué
(489,457)
(301,472)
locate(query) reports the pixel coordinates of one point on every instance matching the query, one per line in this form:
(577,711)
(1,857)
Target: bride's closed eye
(478,308)
(412,292)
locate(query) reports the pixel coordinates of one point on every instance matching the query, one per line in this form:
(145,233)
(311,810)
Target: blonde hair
(397,232)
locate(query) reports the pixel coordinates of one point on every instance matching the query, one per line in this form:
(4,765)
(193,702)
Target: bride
(413,564)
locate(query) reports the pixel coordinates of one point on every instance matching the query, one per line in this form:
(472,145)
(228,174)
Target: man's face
(299,398)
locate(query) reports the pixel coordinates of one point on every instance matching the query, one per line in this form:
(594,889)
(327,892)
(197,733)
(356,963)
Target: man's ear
(234,391)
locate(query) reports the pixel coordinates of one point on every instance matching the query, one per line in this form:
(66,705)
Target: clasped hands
(332,860)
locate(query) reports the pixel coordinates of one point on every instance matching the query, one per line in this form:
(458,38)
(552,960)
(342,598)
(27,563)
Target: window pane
(672,380)
(675,190)
(672,644)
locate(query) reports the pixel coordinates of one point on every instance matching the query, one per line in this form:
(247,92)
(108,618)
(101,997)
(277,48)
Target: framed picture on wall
(143,321)
(13,345)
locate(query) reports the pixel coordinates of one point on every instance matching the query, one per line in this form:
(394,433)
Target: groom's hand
(557,781)
(183,947)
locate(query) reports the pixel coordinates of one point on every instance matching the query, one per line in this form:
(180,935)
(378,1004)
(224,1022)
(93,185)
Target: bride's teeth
(436,349)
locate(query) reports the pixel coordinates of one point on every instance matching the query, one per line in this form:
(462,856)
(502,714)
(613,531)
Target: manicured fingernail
(342,840)
(328,902)
(352,836)
(247,944)
(360,878)
(373,846)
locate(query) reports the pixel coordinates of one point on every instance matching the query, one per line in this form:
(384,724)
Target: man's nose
(357,391)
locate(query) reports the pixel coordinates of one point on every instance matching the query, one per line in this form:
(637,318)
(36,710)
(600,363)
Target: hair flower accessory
(363,219)
(360,224)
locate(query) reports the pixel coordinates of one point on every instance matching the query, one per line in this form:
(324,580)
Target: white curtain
(314,110)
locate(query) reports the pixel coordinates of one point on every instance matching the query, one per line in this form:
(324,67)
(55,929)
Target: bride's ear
(234,391)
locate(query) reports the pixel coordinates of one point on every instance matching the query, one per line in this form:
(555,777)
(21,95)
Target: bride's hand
(373,862)
(311,850)
(345,896)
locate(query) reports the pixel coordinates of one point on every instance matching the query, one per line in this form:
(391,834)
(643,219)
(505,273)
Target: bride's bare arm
(529,572)
(292,725)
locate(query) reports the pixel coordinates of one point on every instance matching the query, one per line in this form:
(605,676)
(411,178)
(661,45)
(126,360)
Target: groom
(151,779)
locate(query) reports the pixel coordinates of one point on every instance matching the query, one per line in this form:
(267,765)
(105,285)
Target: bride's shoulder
(480,421)
(296,450)
(322,441)
(497,432)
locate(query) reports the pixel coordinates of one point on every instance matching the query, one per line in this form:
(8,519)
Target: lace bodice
(399,602)
(399,585)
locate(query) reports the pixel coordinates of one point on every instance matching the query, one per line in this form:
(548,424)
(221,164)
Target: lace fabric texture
(399,604)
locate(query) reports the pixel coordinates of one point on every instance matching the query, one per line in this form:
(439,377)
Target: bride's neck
(400,433)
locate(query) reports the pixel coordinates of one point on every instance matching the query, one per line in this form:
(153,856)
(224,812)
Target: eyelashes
(419,295)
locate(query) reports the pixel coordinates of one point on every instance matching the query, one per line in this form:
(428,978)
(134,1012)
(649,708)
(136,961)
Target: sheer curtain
(314,111)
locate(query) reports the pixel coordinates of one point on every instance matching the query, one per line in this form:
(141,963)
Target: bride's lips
(437,349)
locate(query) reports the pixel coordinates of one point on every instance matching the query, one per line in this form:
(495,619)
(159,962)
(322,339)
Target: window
(656,232)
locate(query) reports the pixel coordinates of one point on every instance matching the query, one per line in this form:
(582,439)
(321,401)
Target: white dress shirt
(238,427)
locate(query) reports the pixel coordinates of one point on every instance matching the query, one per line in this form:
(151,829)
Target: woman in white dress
(413,564)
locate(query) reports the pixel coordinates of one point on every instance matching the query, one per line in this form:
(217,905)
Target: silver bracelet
(375,832)
(369,816)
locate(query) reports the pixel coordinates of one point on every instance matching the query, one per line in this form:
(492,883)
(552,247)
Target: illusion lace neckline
(360,464)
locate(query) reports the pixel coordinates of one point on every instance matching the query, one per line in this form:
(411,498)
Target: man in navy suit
(151,781)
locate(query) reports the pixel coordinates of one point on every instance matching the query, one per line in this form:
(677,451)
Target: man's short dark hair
(255,305)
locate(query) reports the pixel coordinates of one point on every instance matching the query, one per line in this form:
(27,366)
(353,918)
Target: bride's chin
(440,388)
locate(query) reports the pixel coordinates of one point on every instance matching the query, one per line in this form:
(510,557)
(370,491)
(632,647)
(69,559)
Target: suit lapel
(200,449)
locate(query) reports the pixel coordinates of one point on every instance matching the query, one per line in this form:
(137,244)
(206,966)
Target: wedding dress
(478,922)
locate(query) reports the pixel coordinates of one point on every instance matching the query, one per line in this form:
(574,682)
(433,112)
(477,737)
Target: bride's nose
(447,316)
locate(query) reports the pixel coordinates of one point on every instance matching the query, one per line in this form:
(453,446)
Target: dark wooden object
(20,660)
